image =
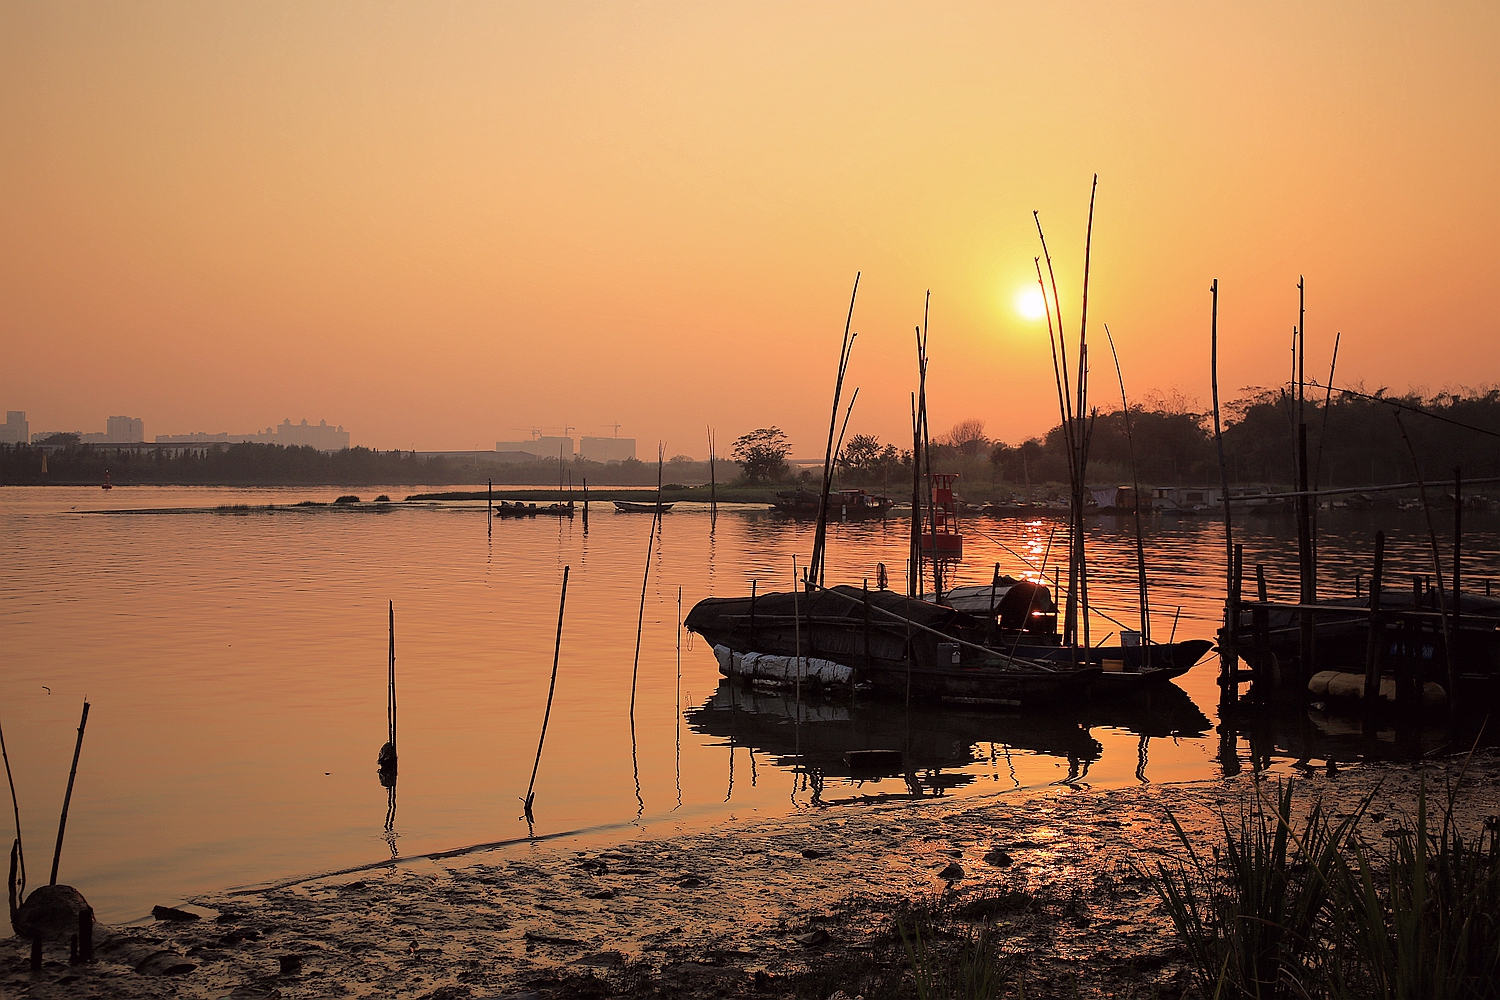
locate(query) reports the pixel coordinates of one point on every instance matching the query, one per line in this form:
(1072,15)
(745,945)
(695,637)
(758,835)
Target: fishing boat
(877,641)
(845,505)
(1022,618)
(632,507)
(519,509)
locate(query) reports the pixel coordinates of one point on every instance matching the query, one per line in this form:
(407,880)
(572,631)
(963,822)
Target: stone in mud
(602,894)
(290,964)
(952,873)
(999,858)
(172,913)
(813,938)
(813,854)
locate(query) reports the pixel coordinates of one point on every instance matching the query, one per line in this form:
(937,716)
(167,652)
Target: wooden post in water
(62,824)
(1228,652)
(562,603)
(752,625)
(1375,644)
(1458,549)
(1306,620)
(713,482)
(1262,678)
(386,761)
(585,504)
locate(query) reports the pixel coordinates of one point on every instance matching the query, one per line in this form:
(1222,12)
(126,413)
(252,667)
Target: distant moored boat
(641,508)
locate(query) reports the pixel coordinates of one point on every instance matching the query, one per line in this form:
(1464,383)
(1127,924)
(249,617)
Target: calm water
(236,668)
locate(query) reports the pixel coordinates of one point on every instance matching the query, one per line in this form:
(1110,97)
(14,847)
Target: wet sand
(765,908)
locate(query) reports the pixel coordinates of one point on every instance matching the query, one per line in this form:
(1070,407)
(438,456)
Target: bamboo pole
(15,805)
(640,620)
(1375,644)
(820,533)
(1230,652)
(62,823)
(1083,396)
(713,483)
(914,572)
(1458,540)
(1437,570)
(1308,584)
(1135,486)
(562,603)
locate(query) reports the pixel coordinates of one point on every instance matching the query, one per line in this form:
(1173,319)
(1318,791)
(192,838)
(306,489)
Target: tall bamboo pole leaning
(17,852)
(640,620)
(562,603)
(914,564)
(1083,458)
(1070,434)
(820,534)
(1228,647)
(62,824)
(1135,487)
(1437,573)
(1308,589)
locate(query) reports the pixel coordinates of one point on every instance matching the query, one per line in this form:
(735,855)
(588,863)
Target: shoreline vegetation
(1354,436)
(1053,892)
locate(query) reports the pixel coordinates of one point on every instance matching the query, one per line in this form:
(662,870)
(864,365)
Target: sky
(446,224)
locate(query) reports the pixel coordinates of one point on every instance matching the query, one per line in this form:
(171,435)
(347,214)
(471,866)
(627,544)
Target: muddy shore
(792,907)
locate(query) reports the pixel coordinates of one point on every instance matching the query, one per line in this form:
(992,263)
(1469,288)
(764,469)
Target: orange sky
(441,224)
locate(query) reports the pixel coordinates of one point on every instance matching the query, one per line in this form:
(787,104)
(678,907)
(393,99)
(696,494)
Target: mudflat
(800,906)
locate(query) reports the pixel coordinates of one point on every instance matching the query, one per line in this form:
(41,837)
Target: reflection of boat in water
(843,505)
(923,744)
(632,507)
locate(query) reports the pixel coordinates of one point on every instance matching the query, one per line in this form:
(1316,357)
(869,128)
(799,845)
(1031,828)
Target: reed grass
(1288,908)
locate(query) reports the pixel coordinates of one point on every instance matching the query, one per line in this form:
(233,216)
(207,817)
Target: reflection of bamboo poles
(679,699)
(551,688)
(68,796)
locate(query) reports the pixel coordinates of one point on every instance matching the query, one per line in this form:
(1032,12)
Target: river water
(236,667)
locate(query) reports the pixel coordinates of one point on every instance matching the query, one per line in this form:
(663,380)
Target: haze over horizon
(441,225)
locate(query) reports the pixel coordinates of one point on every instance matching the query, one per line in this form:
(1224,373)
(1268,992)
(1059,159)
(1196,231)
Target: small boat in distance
(843,505)
(107,484)
(519,509)
(631,506)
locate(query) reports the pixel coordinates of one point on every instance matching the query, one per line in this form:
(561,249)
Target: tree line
(1355,438)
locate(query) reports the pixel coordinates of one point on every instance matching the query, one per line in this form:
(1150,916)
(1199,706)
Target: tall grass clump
(1287,908)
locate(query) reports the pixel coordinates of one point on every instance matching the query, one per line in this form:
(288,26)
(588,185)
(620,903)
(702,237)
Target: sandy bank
(765,908)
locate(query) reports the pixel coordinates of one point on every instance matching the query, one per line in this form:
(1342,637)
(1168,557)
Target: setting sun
(1030,304)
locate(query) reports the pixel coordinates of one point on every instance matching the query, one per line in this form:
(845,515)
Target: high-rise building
(124,430)
(541,447)
(602,449)
(15,430)
(319,436)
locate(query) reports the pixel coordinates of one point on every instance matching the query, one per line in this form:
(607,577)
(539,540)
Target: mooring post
(1262,677)
(752,622)
(1409,680)
(1307,620)
(867,638)
(1458,550)
(1375,644)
